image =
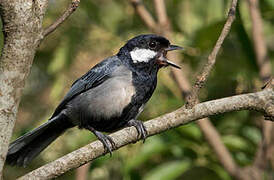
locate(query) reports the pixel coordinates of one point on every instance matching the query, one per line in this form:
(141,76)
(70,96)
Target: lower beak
(162,60)
(165,62)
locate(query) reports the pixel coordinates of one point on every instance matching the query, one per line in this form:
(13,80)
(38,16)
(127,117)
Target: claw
(104,140)
(111,142)
(141,129)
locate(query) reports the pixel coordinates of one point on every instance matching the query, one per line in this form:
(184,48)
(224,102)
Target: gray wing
(94,77)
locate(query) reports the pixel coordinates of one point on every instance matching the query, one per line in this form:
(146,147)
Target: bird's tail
(27,147)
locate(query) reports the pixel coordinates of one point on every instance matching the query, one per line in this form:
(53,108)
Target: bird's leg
(141,129)
(103,138)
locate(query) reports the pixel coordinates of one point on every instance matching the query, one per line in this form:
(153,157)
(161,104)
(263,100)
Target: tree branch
(253,101)
(201,79)
(71,8)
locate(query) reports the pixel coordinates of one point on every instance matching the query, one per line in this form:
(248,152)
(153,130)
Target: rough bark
(254,101)
(22,23)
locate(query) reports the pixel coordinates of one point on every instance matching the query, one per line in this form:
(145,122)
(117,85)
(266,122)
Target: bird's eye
(152,45)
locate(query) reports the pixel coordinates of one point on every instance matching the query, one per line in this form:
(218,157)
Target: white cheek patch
(142,55)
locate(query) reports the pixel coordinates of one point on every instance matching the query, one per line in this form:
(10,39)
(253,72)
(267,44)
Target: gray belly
(102,104)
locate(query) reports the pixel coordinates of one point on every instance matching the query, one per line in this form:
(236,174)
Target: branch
(201,79)
(253,101)
(71,8)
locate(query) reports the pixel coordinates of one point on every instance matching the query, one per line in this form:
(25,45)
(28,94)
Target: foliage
(97,30)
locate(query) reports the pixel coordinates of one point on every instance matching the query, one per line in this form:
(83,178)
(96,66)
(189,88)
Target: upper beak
(173,47)
(164,61)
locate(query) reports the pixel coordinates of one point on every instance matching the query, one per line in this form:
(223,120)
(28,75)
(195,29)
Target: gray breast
(106,100)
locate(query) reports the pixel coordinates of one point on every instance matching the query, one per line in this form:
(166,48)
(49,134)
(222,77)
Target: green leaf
(270,3)
(191,131)
(236,143)
(153,145)
(201,173)
(253,134)
(168,171)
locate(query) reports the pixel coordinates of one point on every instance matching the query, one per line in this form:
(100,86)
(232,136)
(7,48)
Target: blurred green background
(97,30)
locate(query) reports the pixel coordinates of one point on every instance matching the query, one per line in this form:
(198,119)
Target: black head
(148,50)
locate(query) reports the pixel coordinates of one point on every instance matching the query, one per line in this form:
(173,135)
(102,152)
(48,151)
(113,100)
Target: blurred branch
(253,101)
(157,28)
(214,139)
(201,79)
(82,172)
(211,134)
(144,14)
(71,8)
(266,148)
(166,30)
(160,8)
(260,48)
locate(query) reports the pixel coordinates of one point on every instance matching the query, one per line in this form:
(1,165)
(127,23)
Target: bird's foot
(141,129)
(104,140)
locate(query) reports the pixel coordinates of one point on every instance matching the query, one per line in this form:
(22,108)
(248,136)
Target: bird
(109,97)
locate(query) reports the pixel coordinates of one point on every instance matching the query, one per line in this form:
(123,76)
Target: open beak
(163,61)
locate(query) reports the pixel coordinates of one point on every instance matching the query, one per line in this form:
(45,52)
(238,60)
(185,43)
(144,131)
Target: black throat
(144,76)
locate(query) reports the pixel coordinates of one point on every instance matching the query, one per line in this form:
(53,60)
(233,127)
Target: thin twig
(71,8)
(201,79)
(211,134)
(209,131)
(254,101)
